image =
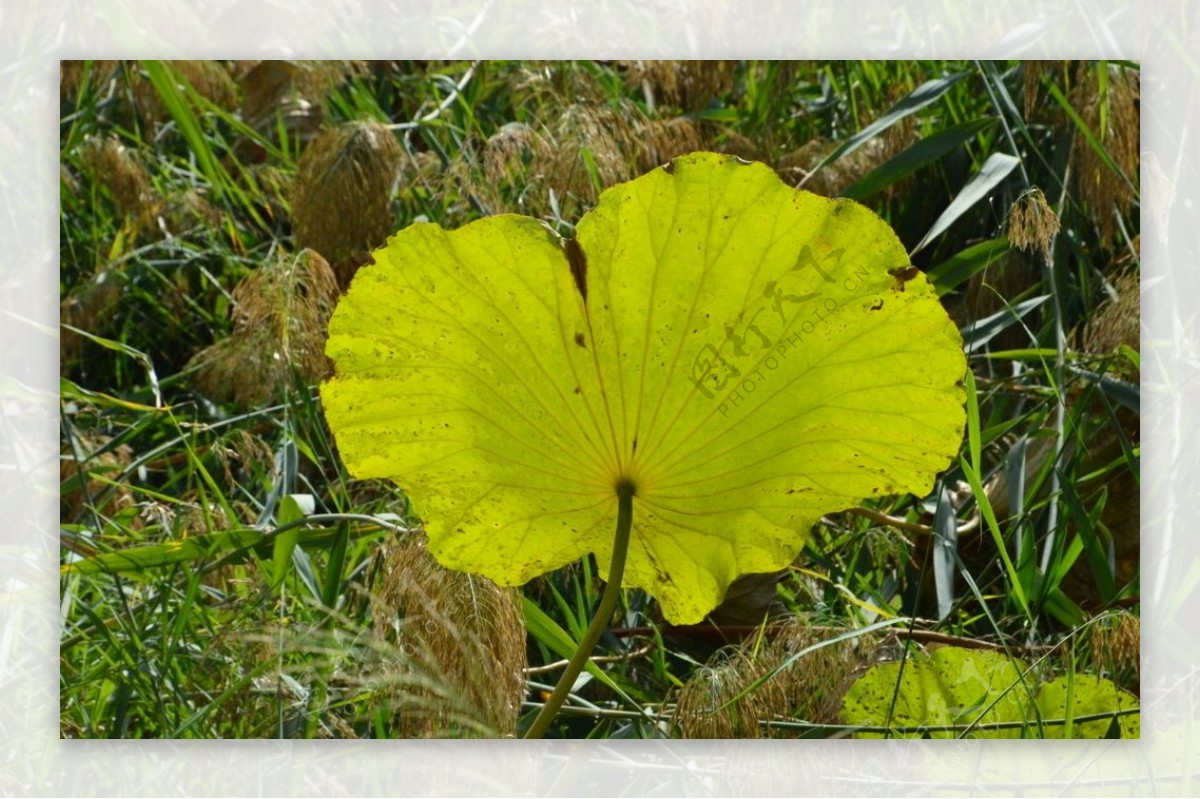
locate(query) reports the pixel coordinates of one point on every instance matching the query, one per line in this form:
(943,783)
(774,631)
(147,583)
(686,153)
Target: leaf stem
(608,603)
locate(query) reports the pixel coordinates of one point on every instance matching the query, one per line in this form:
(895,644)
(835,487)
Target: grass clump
(461,630)
(341,199)
(280,314)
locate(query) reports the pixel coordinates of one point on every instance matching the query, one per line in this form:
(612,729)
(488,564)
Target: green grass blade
(545,630)
(989,516)
(134,353)
(974,439)
(193,548)
(1124,393)
(994,170)
(961,267)
(977,334)
(945,527)
(971,470)
(166,82)
(923,153)
(331,581)
(292,509)
(918,98)
(1094,548)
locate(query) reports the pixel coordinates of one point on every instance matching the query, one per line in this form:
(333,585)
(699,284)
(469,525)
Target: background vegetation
(223,576)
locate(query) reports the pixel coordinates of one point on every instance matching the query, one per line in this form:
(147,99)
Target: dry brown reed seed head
(68,182)
(804,164)
(86,308)
(513,147)
(1115,642)
(513,159)
(818,680)
(585,139)
(115,167)
(194,518)
(610,135)
(341,198)
(664,139)
(109,163)
(1118,321)
(280,315)
(1032,223)
(271,97)
(189,209)
(809,689)
(291,93)
(243,451)
(518,167)
(71,75)
(709,705)
(1107,98)
(620,141)
(686,85)
(421,175)
(731,142)
(1032,74)
(135,102)
(460,635)
(272,188)
(549,86)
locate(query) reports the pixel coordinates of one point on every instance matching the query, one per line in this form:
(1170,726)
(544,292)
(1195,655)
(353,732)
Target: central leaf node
(626,486)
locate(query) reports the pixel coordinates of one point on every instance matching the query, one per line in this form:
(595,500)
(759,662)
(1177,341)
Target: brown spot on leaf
(580,340)
(578,263)
(903,274)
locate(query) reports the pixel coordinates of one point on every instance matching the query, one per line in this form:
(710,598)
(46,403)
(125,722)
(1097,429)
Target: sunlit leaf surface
(748,355)
(956,692)
(953,686)
(1089,695)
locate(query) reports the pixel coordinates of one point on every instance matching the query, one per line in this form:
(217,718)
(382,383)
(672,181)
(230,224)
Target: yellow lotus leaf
(748,356)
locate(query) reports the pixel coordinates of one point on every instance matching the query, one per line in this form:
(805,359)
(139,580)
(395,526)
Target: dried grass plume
(111,164)
(720,702)
(280,316)
(461,645)
(686,85)
(1109,105)
(1032,223)
(341,199)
